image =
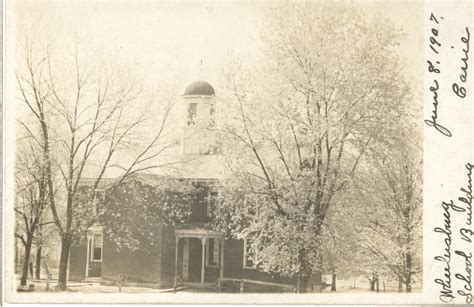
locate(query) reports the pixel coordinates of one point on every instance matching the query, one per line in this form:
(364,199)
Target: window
(99,198)
(209,206)
(192,113)
(96,253)
(100,195)
(249,254)
(212,205)
(212,111)
(252,207)
(212,252)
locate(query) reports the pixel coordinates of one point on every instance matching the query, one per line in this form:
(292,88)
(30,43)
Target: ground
(94,287)
(343,286)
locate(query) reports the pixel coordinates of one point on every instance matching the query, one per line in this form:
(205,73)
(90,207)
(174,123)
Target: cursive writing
(434,69)
(465,278)
(433,122)
(460,91)
(467,198)
(446,294)
(466,234)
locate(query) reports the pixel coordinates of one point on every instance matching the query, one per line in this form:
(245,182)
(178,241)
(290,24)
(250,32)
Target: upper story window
(192,114)
(252,207)
(100,194)
(99,198)
(213,208)
(249,254)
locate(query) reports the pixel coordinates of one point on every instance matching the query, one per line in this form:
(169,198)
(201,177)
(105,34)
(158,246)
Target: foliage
(392,226)
(300,124)
(133,211)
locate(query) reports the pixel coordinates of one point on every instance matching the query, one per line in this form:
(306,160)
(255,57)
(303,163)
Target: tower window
(212,112)
(192,113)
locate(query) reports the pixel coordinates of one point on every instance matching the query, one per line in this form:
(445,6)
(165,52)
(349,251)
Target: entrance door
(186,259)
(195,258)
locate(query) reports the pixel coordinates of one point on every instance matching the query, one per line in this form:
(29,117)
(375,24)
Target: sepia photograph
(215,147)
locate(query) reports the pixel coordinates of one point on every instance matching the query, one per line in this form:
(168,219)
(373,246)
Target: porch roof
(197,231)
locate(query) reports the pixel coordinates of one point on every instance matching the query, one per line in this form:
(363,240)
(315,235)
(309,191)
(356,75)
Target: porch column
(176,258)
(203,263)
(88,255)
(222,259)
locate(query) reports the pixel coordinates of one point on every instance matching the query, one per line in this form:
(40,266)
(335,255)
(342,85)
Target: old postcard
(314,152)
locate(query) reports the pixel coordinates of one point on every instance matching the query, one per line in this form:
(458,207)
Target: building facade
(190,252)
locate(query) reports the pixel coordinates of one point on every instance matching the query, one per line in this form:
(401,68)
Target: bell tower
(199,136)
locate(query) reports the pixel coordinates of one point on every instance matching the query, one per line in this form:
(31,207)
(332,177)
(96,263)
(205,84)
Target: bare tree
(91,118)
(31,199)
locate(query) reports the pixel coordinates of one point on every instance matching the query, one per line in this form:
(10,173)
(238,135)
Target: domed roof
(200,88)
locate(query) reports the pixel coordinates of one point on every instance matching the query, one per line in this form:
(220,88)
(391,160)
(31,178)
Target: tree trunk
(333,282)
(408,273)
(400,284)
(26,260)
(31,269)
(16,256)
(63,264)
(372,284)
(38,253)
(38,261)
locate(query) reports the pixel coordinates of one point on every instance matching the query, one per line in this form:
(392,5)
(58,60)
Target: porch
(199,254)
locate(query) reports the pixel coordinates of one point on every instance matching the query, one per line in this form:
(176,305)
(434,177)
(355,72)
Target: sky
(171,44)
(181,41)
(162,41)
